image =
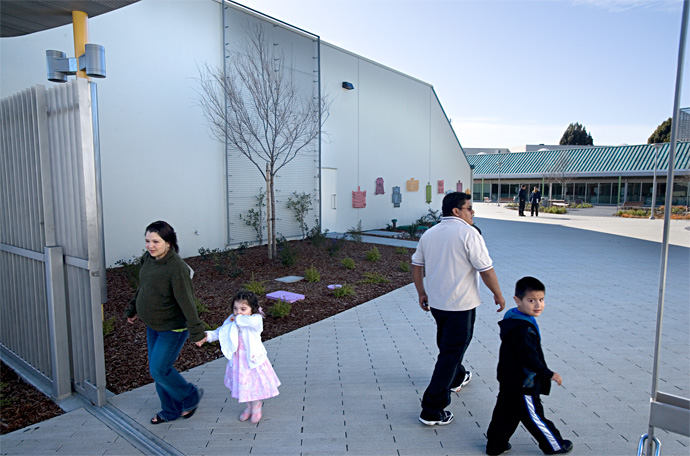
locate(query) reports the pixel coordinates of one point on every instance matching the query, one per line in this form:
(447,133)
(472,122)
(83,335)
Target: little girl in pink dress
(249,374)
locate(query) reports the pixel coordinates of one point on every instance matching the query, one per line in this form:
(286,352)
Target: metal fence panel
(50,243)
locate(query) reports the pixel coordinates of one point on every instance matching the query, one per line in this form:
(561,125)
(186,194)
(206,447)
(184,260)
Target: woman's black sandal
(157,419)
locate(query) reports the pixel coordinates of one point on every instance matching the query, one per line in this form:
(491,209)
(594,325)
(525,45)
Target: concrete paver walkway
(352,383)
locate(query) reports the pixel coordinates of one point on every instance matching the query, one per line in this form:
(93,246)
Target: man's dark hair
(453,200)
(528,284)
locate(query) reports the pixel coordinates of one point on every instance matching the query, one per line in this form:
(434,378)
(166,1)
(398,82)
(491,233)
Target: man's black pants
(521,210)
(535,208)
(453,335)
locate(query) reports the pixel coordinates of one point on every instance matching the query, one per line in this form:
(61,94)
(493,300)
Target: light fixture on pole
(498,197)
(92,61)
(656,156)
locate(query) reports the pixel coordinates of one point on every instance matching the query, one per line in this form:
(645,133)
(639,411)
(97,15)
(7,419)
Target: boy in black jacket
(523,376)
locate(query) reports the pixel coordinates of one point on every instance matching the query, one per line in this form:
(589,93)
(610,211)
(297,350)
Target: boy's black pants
(512,409)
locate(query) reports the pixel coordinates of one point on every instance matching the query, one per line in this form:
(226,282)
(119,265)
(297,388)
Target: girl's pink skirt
(247,384)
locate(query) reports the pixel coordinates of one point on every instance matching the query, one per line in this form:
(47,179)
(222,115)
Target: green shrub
(108,326)
(131,269)
(200,306)
(5,400)
(255,286)
(225,262)
(280,309)
(287,254)
(373,254)
(205,253)
(404,266)
(316,237)
(344,291)
(335,246)
(374,277)
(348,263)
(401,250)
(356,232)
(555,210)
(311,274)
(300,205)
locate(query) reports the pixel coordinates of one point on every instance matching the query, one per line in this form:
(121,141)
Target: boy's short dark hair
(451,201)
(528,284)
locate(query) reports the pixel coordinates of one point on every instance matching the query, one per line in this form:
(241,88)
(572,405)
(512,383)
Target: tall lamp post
(498,196)
(656,156)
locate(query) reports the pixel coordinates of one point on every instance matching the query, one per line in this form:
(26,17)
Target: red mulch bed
(216,280)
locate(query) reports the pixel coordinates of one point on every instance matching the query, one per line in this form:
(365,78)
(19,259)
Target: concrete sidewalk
(352,383)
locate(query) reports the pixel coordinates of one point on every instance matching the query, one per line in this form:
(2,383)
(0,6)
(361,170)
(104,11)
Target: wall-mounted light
(92,62)
(348,85)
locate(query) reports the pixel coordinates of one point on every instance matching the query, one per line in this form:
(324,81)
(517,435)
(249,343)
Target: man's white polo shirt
(453,254)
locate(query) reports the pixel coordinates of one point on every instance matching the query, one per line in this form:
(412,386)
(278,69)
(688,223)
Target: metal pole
(656,158)
(498,197)
(667,213)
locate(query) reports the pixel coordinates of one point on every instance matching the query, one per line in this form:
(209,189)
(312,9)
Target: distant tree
(576,135)
(662,133)
(559,171)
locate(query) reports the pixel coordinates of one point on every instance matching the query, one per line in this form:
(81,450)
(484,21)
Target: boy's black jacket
(521,365)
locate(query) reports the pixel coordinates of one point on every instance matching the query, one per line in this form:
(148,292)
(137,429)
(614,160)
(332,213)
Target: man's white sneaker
(465,382)
(447,419)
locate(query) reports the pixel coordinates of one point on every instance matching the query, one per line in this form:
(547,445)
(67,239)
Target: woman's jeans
(176,394)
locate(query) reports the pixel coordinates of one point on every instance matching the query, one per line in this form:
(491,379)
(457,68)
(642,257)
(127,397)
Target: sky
(515,72)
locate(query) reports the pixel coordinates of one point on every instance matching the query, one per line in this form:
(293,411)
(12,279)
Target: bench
(558,203)
(631,204)
(487,199)
(507,199)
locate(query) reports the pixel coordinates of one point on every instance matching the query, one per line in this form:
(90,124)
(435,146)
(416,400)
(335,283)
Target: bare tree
(257,107)
(559,171)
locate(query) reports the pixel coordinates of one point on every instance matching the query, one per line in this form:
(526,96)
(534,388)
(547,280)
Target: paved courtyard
(352,383)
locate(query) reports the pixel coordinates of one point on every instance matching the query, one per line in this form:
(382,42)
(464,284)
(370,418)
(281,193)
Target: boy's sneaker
(465,381)
(566,447)
(503,451)
(447,418)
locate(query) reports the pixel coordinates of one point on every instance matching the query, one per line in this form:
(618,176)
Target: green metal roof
(590,161)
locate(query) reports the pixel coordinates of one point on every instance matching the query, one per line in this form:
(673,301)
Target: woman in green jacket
(165,303)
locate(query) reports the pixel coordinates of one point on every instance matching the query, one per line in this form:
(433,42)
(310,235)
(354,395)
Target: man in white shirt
(454,256)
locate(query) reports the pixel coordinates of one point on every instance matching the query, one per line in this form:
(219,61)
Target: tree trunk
(269,211)
(274,247)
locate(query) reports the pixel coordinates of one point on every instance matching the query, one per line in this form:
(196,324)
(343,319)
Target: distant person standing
(454,256)
(535,199)
(522,197)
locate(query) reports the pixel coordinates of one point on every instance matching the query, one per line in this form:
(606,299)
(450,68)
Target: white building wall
(158,160)
(389,126)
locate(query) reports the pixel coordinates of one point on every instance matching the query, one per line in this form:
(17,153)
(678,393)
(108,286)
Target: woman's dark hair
(528,284)
(165,231)
(451,201)
(251,299)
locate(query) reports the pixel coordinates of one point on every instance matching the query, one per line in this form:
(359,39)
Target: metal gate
(51,265)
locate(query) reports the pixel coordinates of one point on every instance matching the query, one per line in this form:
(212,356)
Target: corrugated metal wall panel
(301,175)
